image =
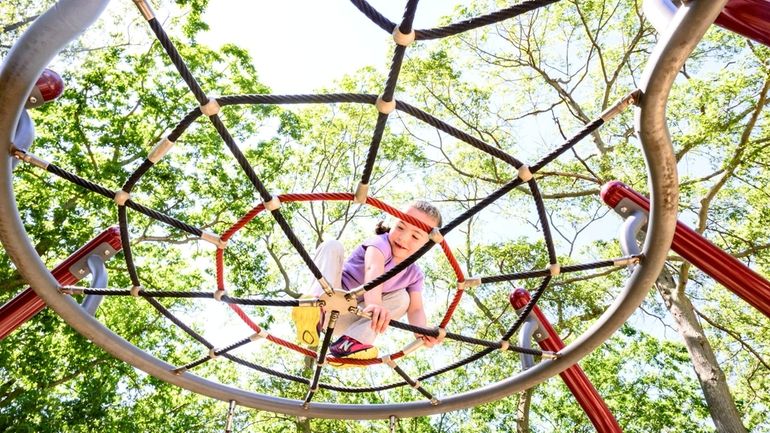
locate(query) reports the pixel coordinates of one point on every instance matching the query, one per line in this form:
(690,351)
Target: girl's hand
(380,317)
(429,341)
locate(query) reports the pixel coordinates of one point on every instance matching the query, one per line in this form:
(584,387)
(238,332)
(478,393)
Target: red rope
(332,196)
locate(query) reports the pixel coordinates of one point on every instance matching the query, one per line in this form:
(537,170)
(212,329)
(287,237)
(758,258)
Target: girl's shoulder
(381,242)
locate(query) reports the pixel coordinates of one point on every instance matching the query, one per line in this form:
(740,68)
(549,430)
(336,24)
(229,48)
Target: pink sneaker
(348,347)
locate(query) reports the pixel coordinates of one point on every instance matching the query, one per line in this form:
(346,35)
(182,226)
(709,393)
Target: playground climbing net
(384,103)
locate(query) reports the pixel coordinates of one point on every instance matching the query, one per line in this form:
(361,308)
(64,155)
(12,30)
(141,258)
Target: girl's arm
(416,316)
(374,266)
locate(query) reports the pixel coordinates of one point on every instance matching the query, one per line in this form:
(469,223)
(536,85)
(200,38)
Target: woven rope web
(210,107)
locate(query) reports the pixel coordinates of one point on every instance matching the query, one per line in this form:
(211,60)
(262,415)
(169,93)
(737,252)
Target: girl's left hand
(431,341)
(380,317)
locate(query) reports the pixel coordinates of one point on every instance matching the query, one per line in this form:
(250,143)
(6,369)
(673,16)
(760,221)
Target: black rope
(217,352)
(176,59)
(164,218)
(480,21)
(184,124)
(136,175)
(454,132)
(79,181)
(179,323)
(527,309)
(296,243)
(374,146)
(193,295)
(313,385)
(587,129)
(545,272)
(376,17)
(543,216)
(125,241)
(463,338)
(129,203)
(328,98)
(240,157)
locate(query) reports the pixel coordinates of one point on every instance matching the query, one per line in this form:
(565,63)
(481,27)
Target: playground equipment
(62,24)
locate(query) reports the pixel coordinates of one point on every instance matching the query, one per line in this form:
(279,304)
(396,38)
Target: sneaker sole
(306,320)
(369,353)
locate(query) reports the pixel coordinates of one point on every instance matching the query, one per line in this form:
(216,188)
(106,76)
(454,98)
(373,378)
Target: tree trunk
(711,377)
(522,411)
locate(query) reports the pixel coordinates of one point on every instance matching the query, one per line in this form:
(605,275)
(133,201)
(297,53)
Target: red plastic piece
(26,304)
(574,377)
(750,18)
(50,84)
(721,266)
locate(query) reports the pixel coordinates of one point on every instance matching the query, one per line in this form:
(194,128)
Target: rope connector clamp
(403,39)
(121,197)
(210,108)
(385,107)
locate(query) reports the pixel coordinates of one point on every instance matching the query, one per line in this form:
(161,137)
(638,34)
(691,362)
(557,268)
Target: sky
(301,45)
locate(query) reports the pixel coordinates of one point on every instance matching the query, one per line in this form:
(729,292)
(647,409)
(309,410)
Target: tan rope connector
(414,345)
(403,39)
(621,105)
(385,107)
(210,108)
(218,295)
(212,353)
(555,269)
(214,239)
(272,204)
(504,345)
(524,173)
(135,290)
(160,150)
(362,191)
(144,8)
(441,333)
(550,355)
(256,336)
(325,286)
(435,235)
(471,282)
(626,261)
(121,197)
(30,158)
(387,360)
(416,384)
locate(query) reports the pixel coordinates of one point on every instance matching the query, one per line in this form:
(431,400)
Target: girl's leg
(329,257)
(396,302)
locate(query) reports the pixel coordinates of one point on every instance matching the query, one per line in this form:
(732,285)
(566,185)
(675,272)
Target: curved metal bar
(98,280)
(69,17)
(25,135)
(526,333)
(628,231)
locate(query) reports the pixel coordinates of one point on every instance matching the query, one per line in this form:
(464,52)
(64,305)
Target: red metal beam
(26,304)
(576,380)
(721,266)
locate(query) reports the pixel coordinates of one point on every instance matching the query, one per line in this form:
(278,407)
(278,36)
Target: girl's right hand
(380,317)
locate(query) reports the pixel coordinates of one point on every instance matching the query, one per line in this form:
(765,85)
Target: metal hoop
(47,36)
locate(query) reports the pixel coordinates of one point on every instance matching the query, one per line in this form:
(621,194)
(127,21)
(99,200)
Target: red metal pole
(721,266)
(26,304)
(574,377)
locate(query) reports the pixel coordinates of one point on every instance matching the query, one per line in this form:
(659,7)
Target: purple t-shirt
(410,278)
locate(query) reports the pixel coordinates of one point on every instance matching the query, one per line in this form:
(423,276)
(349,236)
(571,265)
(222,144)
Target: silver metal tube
(69,17)
(98,280)
(629,230)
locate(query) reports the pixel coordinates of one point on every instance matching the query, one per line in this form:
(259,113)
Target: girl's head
(405,239)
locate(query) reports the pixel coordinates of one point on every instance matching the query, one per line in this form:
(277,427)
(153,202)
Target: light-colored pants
(330,257)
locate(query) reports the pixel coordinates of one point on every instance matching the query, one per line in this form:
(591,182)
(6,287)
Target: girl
(400,295)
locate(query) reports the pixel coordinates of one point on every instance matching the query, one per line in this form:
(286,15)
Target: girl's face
(406,239)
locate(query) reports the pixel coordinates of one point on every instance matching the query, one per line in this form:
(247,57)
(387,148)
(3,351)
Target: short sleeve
(418,284)
(381,243)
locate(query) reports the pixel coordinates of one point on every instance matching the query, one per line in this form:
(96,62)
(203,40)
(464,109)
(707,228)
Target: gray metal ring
(68,18)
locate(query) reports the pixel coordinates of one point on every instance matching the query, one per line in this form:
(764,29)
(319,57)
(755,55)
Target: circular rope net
(385,104)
